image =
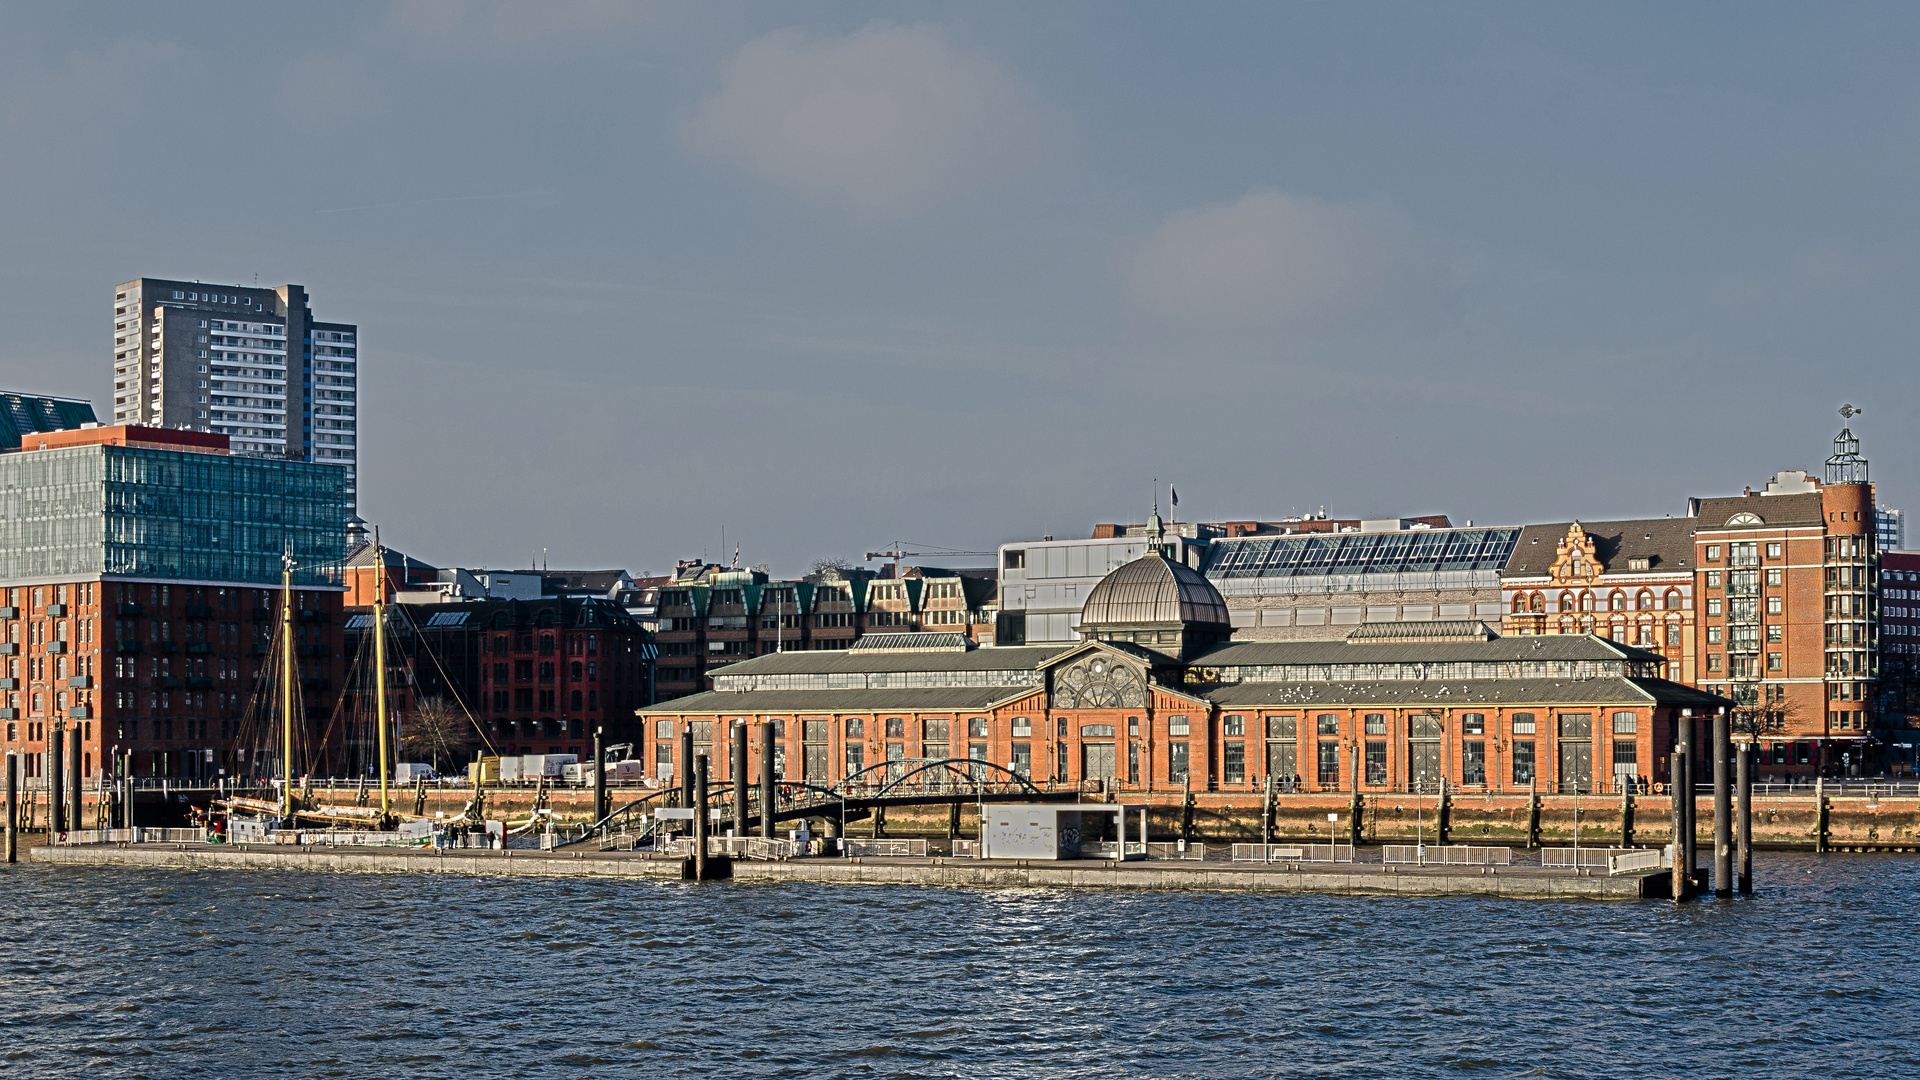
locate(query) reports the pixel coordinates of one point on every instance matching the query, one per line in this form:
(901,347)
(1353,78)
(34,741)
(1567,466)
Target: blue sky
(833,275)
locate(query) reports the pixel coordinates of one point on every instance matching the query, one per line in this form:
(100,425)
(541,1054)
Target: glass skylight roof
(1421,551)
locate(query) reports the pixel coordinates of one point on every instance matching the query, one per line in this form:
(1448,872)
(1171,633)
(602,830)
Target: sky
(643,282)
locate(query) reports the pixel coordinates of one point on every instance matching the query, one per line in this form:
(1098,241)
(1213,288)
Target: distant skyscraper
(1891,528)
(249,363)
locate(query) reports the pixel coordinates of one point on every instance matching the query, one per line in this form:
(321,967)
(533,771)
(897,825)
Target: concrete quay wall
(964,873)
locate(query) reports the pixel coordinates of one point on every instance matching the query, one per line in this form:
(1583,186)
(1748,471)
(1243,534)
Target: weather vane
(1848,412)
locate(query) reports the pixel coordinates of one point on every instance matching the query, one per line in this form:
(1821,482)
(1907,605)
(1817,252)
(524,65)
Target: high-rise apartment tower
(249,363)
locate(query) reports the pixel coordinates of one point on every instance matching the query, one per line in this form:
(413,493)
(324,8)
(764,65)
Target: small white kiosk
(1058,830)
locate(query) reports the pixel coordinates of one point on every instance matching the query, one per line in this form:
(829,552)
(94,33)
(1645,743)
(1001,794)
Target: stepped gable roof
(1153,589)
(1665,542)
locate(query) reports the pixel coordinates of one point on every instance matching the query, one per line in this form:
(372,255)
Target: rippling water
(159,973)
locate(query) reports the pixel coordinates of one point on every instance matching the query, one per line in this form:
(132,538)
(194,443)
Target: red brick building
(1156,700)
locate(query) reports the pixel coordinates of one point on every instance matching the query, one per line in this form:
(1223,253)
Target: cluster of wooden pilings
(1729,828)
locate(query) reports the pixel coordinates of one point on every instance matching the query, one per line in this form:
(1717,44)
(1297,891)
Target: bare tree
(436,729)
(830,569)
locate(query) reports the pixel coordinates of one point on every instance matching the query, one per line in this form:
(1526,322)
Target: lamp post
(1419,819)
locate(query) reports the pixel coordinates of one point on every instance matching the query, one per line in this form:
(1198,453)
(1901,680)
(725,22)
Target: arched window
(1586,603)
(576,671)
(576,701)
(1586,624)
(1538,604)
(1644,601)
(1673,599)
(1617,601)
(1566,601)
(1519,604)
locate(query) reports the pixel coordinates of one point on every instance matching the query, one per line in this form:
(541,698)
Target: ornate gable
(1573,559)
(1100,679)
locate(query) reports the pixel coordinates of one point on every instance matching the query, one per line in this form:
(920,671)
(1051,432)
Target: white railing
(1449,855)
(1330,853)
(966,849)
(1194,851)
(1268,852)
(132,836)
(1112,849)
(1593,858)
(362,838)
(884,848)
(1628,862)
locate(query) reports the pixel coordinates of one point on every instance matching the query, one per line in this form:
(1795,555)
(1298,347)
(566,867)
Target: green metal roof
(1515,647)
(1022,658)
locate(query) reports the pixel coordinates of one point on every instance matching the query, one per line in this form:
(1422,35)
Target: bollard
(1533,813)
(56,773)
(700,818)
(766,779)
(1722,810)
(1443,816)
(13,807)
(1743,788)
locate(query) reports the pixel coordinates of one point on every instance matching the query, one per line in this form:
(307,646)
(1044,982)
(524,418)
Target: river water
(161,973)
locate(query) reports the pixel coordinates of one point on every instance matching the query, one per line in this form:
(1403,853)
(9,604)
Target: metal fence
(884,848)
(1631,861)
(1449,855)
(1112,849)
(1592,858)
(1317,853)
(966,849)
(1194,851)
(132,836)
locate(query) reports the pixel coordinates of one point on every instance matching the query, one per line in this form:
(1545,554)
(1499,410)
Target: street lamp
(1419,819)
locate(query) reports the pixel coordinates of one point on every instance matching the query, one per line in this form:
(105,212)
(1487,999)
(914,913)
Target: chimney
(1748,492)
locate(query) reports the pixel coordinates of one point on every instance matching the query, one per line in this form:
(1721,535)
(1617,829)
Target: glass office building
(149,513)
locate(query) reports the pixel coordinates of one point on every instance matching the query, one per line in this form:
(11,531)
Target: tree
(435,729)
(830,569)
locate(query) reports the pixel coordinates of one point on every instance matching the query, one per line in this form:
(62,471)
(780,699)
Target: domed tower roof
(1154,590)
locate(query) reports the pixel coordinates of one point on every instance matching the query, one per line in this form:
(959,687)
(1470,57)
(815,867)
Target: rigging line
(453,689)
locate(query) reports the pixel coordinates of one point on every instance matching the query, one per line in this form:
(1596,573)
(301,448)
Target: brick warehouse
(139,570)
(1157,700)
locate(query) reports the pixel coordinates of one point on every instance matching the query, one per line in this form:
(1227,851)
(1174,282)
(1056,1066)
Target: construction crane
(898,553)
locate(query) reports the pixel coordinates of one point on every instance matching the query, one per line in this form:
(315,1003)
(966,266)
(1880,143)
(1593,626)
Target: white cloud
(1267,257)
(884,122)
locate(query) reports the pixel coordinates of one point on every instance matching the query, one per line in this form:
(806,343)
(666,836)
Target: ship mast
(380,662)
(286,691)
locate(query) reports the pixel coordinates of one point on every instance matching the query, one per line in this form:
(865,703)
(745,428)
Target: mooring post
(1677,821)
(879,819)
(1353,805)
(700,818)
(766,779)
(1819,814)
(57,781)
(599,777)
(13,807)
(686,765)
(1186,808)
(1443,816)
(75,779)
(740,778)
(1743,815)
(1689,805)
(1626,816)
(1533,812)
(1722,808)
(953,819)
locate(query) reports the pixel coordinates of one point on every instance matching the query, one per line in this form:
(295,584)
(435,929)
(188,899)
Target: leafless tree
(436,729)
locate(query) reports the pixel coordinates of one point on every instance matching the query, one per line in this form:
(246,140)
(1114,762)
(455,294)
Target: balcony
(127,645)
(167,647)
(131,611)
(8,648)
(9,684)
(261,614)
(80,682)
(167,682)
(56,611)
(262,650)
(199,683)
(199,646)
(199,611)
(316,650)
(9,612)
(314,616)
(56,646)
(9,714)
(80,712)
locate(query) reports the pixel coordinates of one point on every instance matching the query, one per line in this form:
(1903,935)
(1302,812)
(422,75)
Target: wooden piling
(1533,813)
(56,773)
(1819,814)
(740,778)
(1676,764)
(1626,818)
(686,765)
(700,818)
(1443,817)
(1743,816)
(599,777)
(75,777)
(766,779)
(1722,809)
(13,807)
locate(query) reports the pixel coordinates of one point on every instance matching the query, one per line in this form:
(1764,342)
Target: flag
(736,556)
(1173,496)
